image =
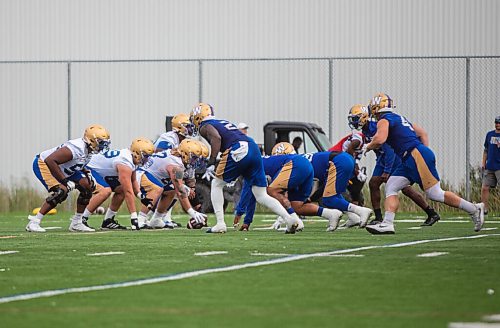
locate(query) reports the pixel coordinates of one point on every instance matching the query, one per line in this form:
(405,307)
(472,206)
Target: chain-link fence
(46,103)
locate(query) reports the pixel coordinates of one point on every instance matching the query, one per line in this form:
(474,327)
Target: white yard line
(7,237)
(106,254)
(191,274)
(8,252)
(432,254)
(210,253)
(473,325)
(269,254)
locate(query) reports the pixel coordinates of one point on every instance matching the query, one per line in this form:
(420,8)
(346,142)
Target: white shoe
(333,217)
(170,224)
(478,217)
(277,224)
(156,223)
(292,224)
(218,228)
(79,227)
(353,220)
(364,215)
(381,229)
(300,227)
(34,225)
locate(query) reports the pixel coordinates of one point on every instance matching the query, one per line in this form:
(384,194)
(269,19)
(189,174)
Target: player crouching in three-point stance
(240,157)
(418,165)
(115,171)
(61,169)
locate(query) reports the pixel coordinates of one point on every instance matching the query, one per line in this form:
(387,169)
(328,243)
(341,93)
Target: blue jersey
(273,164)
(320,163)
(386,158)
(228,132)
(402,137)
(492,147)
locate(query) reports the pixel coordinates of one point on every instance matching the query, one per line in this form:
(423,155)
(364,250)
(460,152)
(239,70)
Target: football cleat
(218,228)
(170,224)
(79,227)
(292,224)
(352,220)
(333,217)
(85,222)
(277,224)
(244,227)
(431,220)
(156,223)
(364,215)
(381,229)
(34,225)
(478,217)
(375,221)
(112,224)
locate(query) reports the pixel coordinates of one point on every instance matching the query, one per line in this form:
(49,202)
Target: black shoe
(375,221)
(112,224)
(134,223)
(85,223)
(177,225)
(431,220)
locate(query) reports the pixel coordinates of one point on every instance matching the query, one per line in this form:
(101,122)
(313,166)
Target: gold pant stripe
(428,180)
(330,189)
(283,177)
(49,179)
(222,164)
(147,185)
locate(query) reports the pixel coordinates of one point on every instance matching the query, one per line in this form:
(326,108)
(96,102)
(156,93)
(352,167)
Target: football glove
(197,216)
(209,173)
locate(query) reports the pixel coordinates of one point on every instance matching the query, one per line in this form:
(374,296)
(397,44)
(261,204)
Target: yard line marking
(52,228)
(473,325)
(414,228)
(7,237)
(270,254)
(432,254)
(106,254)
(8,252)
(347,255)
(190,274)
(493,317)
(210,253)
(488,229)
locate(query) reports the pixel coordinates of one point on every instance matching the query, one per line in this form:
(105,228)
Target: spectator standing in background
(491,163)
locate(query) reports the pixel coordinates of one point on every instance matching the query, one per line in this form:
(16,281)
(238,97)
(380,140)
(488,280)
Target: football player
(240,157)
(62,169)
(115,171)
(162,180)
(291,184)
(418,165)
(386,163)
(181,129)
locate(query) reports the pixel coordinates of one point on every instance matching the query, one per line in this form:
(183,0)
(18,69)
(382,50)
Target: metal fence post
(68,69)
(330,98)
(200,81)
(467,128)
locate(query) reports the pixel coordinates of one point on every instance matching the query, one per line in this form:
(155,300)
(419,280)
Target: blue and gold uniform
(240,155)
(387,161)
(293,173)
(418,162)
(333,170)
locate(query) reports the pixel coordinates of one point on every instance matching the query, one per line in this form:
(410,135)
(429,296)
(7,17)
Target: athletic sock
(467,206)
(378,213)
(430,211)
(109,214)
(389,217)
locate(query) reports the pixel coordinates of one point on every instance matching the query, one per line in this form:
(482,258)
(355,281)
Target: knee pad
(84,197)
(395,184)
(435,193)
(57,196)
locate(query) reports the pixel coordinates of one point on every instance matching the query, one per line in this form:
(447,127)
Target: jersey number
(405,122)
(229,125)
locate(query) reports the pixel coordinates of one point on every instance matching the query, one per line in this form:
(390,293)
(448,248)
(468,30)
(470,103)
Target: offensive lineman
(61,169)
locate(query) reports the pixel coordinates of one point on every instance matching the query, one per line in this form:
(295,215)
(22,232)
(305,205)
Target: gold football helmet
(381,103)
(141,149)
(97,138)
(191,152)
(358,117)
(283,148)
(198,113)
(182,125)
(205,151)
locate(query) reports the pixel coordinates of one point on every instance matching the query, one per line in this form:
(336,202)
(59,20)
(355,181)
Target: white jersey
(80,154)
(166,141)
(158,163)
(106,164)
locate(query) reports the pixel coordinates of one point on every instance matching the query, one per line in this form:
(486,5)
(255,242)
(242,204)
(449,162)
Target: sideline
(185,275)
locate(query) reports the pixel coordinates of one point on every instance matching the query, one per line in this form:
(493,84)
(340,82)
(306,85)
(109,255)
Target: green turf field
(336,284)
